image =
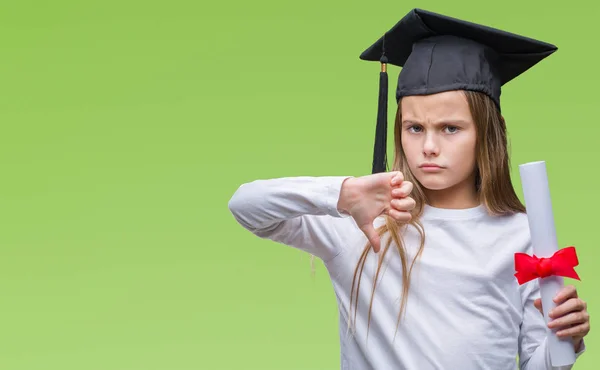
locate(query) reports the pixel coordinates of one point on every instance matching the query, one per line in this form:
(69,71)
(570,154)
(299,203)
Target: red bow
(560,263)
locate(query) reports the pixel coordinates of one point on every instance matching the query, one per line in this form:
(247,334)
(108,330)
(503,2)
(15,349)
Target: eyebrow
(438,123)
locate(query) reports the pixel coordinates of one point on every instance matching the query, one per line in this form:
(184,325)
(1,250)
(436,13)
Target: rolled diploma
(536,192)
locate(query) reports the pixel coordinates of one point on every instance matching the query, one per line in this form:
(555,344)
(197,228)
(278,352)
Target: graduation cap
(438,53)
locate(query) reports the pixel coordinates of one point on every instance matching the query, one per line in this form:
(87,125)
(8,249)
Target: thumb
(373,236)
(538,304)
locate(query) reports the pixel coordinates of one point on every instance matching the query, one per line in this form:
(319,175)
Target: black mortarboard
(439,53)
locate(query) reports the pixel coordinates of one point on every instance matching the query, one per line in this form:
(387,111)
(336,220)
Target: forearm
(291,211)
(540,357)
(262,204)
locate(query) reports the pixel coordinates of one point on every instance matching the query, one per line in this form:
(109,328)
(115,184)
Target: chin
(434,182)
(435,185)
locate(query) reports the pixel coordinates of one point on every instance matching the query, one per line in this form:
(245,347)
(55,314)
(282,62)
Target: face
(438,138)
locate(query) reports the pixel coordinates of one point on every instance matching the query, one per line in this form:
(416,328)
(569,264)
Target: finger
(403,204)
(403,190)
(399,215)
(565,293)
(538,304)
(569,320)
(372,235)
(579,330)
(397,179)
(573,304)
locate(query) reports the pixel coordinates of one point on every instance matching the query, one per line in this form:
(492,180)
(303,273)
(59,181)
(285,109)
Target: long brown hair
(492,181)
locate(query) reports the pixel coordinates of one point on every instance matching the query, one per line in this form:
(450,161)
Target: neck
(460,196)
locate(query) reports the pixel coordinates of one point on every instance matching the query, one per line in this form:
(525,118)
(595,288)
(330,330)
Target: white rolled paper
(536,192)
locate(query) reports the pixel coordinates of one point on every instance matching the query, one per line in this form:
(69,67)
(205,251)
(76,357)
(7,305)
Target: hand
(570,315)
(368,197)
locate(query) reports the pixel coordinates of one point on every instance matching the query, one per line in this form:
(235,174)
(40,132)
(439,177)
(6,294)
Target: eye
(414,128)
(452,129)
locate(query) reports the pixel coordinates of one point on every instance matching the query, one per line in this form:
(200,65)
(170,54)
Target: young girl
(432,242)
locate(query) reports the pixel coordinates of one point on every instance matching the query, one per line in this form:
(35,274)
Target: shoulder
(516,219)
(514,229)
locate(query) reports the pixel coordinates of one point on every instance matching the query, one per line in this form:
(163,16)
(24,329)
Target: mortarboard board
(439,53)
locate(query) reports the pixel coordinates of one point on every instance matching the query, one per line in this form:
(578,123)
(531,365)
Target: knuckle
(403,204)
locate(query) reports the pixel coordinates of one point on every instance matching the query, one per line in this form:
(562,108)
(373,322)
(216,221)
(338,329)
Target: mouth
(430,167)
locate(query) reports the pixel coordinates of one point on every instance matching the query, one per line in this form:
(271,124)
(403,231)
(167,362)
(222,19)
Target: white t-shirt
(465,308)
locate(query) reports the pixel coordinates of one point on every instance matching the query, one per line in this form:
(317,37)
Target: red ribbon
(561,263)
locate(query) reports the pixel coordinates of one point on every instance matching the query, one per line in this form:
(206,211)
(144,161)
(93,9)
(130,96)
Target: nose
(430,147)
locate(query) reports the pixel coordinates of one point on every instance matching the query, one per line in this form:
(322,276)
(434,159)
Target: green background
(127,126)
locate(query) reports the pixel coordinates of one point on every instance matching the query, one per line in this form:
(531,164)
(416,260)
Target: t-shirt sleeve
(300,212)
(534,353)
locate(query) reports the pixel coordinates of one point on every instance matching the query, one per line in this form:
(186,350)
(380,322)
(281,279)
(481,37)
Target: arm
(301,212)
(533,348)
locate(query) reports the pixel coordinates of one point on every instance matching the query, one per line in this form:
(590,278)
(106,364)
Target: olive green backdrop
(127,126)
